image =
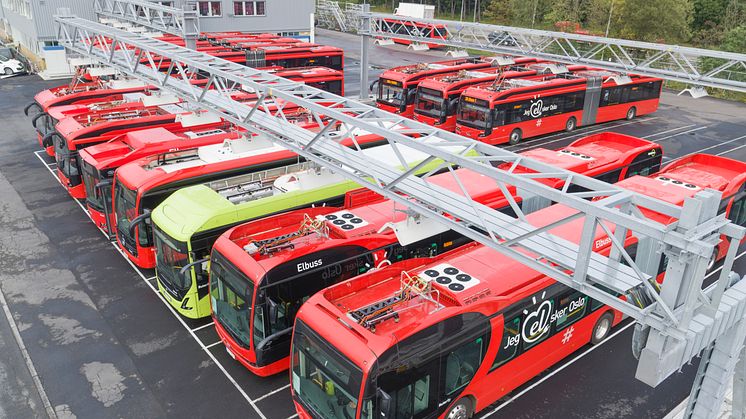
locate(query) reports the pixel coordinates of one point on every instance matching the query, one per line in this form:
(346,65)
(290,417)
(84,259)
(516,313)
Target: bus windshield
(473,116)
(391,94)
(125,203)
(170,256)
(429,105)
(231,296)
(324,380)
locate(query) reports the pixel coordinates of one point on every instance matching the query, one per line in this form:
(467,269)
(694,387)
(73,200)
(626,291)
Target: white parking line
(175,314)
(275,391)
(582,134)
(731,150)
(710,148)
(586,352)
(669,130)
(218,343)
(680,133)
(203,326)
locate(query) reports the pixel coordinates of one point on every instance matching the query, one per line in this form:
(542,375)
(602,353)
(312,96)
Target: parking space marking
(731,150)
(583,354)
(215,344)
(275,391)
(581,134)
(203,326)
(171,309)
(680,133)
(709,148)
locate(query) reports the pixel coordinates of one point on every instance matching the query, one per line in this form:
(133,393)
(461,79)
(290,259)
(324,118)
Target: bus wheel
(602,328)
(631,113)
(570,124)
(460,410)
(515,137)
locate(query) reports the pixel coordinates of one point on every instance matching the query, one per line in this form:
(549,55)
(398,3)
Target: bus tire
(571,124)
(602,328)
(631,113)
(462,409)
(515,137)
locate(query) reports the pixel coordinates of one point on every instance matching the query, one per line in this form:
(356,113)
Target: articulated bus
(189,221)
(91,127)
(448,336)
(437,98)
(142,185)
(516,109)
(98,162)
(74,93)
(397,86)
(262,271)
(406,27)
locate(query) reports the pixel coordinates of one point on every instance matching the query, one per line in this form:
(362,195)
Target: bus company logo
(602,243)
(537,109)
(537,323)
(304,266)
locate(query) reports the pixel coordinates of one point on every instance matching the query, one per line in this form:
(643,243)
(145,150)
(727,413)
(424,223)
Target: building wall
(280,16)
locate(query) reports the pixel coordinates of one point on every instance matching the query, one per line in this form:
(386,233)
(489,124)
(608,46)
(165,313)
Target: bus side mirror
(139,219)
(373,85)
(272,310)
(384,403)
(411,95)
(185,270)
(452,106)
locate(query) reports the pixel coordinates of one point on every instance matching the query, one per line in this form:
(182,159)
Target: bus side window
(609,177)
(509,343)
(498,116)
(462,363)
(571,307)
(647,163)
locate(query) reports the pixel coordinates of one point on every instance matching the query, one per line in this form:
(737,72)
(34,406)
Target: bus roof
(231,200)
(460,278)
(421,70)
(684,177)
(608,150)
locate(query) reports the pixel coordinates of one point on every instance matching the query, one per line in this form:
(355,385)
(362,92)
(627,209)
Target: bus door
(592,98)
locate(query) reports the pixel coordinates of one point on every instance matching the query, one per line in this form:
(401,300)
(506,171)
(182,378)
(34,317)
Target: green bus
(188,222)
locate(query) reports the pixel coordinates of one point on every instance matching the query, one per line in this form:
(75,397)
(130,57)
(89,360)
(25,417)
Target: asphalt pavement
(103,344)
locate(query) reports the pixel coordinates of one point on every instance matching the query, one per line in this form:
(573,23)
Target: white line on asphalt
(708,148)
(731,150)
(680,133)
(202,327)
(217,343)
(669,130)
(151,278)
(275,391)
(581,134)
(586,352)
(27,358)
(176,315)
(293,417)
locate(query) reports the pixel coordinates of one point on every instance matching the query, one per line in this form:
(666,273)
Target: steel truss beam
(696,66)
(689,242)
(153,15)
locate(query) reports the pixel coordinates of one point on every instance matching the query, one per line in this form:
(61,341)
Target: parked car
(10,62)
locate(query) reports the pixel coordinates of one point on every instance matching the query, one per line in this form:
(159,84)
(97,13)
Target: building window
(248,8)
(209,8)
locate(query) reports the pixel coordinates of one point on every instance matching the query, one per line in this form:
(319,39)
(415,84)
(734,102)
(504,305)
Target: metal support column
(739,388)
(191,24)
(364,47)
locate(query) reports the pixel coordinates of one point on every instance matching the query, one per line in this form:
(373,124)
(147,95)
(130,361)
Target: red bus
(98,162)
(397,86)
(259,263)
(75,93)
(141,185)
(428,30)
(91,127)
(288,56)
(448,336)
(518,109)
(437,97)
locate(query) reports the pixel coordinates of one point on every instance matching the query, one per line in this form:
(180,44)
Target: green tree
(499,11)
(597,15)
(735,40)
(708,13)
(662,20)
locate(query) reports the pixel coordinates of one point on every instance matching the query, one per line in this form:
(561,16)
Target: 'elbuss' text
(304,266)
